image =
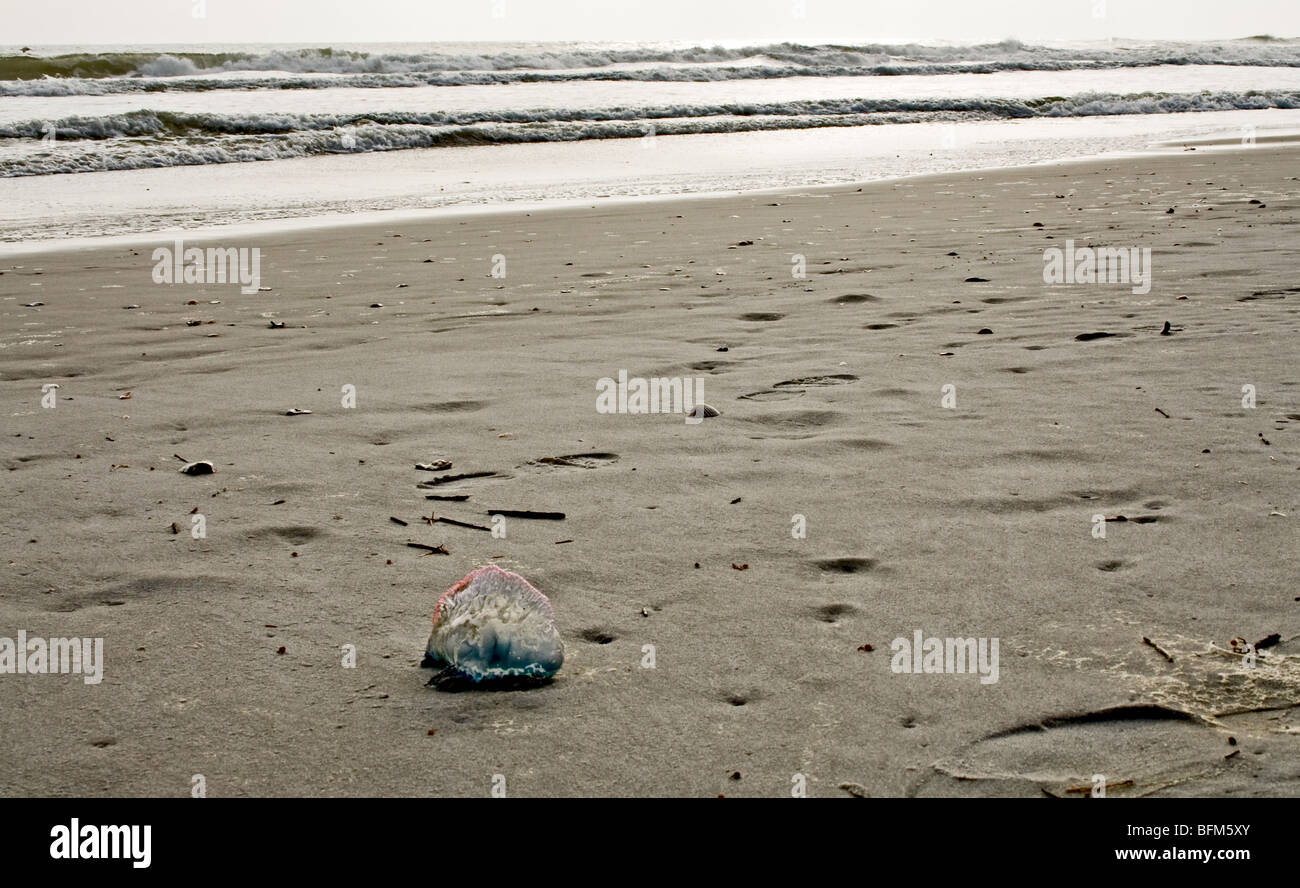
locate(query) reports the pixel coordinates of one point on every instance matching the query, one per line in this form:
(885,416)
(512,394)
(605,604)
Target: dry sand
(974,521)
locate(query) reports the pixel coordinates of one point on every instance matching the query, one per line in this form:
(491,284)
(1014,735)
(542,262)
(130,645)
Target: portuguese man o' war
(494,625)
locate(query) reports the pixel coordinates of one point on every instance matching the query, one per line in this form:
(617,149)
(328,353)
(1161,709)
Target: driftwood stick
(440,550)
(1157,648)
(527,513)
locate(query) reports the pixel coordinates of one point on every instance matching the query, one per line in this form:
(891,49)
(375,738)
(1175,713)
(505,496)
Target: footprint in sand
(831,613)
(598,635)
(1268,294)
(1132,750)
(451,406)
(854,444)
(832,379)
(294,534)
(1191,695)
(772,395)
(740,698)
(576,460)
(849,565)
(796,424)
(154,587)
(19,462)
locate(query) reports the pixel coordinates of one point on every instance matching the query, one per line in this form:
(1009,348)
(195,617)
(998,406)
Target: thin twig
(440,550)
(460,524)
(447,479)
(1157,648)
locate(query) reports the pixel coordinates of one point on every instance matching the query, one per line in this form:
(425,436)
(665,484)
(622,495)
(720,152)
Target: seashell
(296,411)
(703,411)
(202,467)
(494,625)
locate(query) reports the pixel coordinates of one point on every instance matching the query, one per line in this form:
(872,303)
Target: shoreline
(275,228)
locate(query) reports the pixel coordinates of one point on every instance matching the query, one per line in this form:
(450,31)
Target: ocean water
(120,140)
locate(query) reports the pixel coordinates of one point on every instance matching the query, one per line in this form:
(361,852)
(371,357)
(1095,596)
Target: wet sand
(224,655)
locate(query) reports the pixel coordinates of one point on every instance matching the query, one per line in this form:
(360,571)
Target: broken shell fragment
(202,467)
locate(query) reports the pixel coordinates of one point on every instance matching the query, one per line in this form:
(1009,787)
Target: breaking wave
(143,139)
(124,72)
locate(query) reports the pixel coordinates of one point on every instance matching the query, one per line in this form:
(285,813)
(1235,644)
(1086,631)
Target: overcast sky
(808,21)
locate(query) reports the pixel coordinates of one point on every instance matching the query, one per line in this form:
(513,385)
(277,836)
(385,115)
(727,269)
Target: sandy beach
(709,649)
